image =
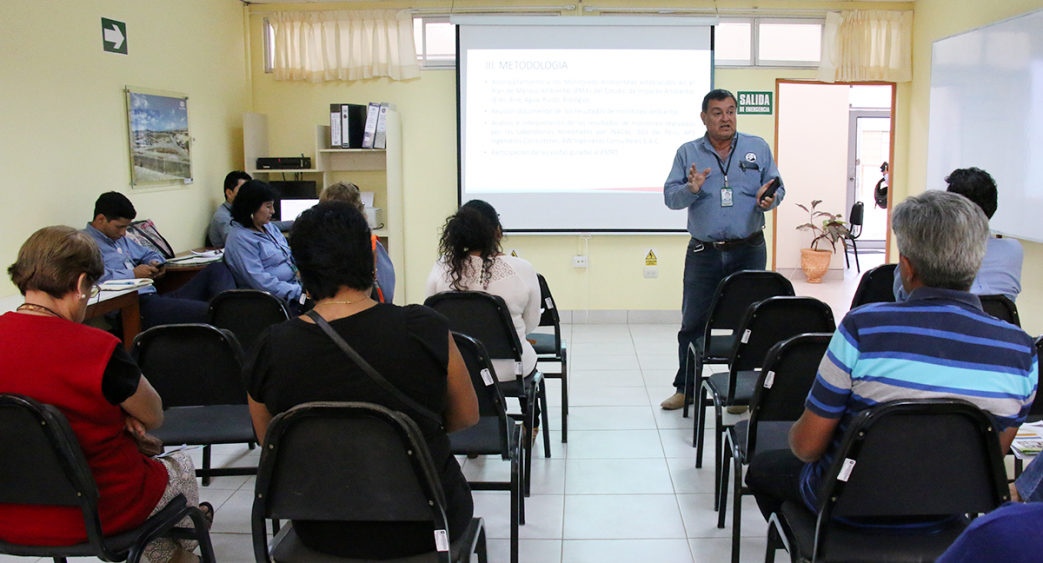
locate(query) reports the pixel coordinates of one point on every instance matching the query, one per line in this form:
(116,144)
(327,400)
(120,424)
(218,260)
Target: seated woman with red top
(88,375)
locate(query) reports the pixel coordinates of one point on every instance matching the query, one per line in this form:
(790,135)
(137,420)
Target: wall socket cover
(579,261)
(651,272)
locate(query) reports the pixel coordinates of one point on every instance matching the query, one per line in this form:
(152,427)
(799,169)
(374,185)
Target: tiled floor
(624,488)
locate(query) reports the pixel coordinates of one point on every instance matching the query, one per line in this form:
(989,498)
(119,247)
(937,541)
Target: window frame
(269,46)
(755,61)
(421,50)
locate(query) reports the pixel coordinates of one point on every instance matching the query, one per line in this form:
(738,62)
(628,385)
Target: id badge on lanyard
(726,195)
(726,191)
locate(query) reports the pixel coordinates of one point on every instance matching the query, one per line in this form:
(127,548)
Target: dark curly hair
(332,249)
(470,230)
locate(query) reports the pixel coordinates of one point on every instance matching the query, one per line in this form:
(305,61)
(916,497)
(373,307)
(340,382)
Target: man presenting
(126,259)
(721,179)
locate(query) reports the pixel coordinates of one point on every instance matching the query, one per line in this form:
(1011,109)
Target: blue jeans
(704,268)
(188,304)
(1028,483)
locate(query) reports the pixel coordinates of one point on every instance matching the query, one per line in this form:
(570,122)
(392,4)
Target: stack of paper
(1029,440)
(120,285)
(197,258)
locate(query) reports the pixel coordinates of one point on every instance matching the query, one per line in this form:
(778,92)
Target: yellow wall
(937,19)
(427,106)
(63,120)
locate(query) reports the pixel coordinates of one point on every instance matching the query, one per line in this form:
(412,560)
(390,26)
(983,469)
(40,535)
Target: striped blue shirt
(938,344)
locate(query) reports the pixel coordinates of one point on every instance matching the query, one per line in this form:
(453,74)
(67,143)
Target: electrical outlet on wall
(651,271)
(579,261)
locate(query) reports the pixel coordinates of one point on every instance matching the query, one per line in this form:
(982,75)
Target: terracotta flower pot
(815,263)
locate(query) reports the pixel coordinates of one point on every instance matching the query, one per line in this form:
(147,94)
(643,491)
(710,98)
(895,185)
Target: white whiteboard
(987,111)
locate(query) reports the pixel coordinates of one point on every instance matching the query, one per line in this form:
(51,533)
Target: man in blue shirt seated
(937,344)
(221,222)
(126,259)
(720,179)
(1000,271)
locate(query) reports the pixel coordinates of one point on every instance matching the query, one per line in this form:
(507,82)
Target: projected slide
(579,120)
(572,126)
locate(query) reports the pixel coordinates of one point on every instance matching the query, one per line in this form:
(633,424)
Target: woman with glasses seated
(256,251)
(297,362)
(87,374)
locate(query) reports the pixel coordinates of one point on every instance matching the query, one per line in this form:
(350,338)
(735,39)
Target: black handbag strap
(368,369)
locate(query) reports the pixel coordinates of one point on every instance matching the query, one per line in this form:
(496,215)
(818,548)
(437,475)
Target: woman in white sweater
(471,261)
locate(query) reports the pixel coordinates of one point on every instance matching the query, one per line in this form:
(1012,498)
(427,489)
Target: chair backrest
(1037,404)
(736,292)
(787,375)
(482,316)
(549,316)
(1001,307)
(914,458)
(876,286)
(246,312)
(192,364)
(346,462)
(483,378)
(43,463)
(855,219)
(773,320)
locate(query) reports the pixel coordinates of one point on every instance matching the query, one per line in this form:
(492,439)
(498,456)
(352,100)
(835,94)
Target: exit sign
(757,103)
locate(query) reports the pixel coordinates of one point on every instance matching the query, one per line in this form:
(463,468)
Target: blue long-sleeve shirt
(122,256)
(262,261)
(751,167)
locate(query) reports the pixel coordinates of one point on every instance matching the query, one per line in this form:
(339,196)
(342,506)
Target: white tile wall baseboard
(620,316)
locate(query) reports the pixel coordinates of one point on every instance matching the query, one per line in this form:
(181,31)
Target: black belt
(755,238)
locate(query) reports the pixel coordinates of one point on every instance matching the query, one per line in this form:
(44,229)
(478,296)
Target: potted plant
(813,261)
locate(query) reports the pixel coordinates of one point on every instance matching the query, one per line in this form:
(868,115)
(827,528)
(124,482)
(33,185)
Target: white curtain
(867,45)
(344,45)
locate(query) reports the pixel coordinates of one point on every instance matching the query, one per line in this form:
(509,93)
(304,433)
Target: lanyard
(726,167)
(289,259)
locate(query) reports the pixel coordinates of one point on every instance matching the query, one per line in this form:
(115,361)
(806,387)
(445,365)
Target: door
(869,147)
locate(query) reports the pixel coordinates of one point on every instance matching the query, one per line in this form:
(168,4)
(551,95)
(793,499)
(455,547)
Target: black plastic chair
(1001,307)
(43,464)
(350,462)
(735,293)
(899,462)
(247,313)
(876,286)
(778,401)
(1036,410)
(197,370)
(485,317)
(552,348)
(766,324)
(854,222)
(495,433)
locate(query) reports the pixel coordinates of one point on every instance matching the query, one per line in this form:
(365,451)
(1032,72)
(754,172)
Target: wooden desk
(130,311)
(178,275)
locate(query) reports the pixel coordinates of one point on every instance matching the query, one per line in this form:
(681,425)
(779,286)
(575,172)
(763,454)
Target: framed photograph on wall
(160,143)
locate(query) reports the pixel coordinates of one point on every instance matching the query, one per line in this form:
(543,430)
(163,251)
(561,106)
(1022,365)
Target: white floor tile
(617,476)
(662,361)
(609,362)
(719,550)
(233,548)
(606,517)
(626,551)
(604,378)
(529,550)
(543,515)
(608,396)
(700,519)
(612,418)
(614,444)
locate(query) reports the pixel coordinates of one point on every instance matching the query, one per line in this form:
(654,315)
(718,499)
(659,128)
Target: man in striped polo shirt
(938,344)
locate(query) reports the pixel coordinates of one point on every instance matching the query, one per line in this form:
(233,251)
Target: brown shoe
(674,402)
(737,409)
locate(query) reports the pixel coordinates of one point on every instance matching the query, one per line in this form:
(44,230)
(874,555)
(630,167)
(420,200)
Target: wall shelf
(329,160)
